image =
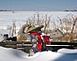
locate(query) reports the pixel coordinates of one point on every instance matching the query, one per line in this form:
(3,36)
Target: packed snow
(9,54)
(64,50)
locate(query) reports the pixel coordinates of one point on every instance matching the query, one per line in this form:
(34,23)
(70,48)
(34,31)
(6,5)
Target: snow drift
(64,50)
(9,54)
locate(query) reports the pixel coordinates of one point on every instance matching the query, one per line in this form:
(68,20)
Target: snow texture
(20,17)
(9,54)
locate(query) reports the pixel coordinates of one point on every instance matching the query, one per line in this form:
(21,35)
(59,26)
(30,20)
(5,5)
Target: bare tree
(74,23)
(13,29)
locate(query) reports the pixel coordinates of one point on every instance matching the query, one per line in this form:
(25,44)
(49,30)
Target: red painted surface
(40,41)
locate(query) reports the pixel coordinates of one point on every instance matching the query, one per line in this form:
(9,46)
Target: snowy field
(20,17)
(9,54)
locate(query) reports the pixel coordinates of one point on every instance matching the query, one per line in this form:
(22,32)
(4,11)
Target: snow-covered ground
(9,54)
(6,18)
(20,17)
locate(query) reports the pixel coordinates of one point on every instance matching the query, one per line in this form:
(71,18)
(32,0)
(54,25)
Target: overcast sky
(38,4)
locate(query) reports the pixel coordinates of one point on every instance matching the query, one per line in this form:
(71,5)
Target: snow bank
(9,54)
(44,56)
(64,50)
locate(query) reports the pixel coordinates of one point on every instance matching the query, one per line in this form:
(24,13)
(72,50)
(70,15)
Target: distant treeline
(6,10)
(70,10)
